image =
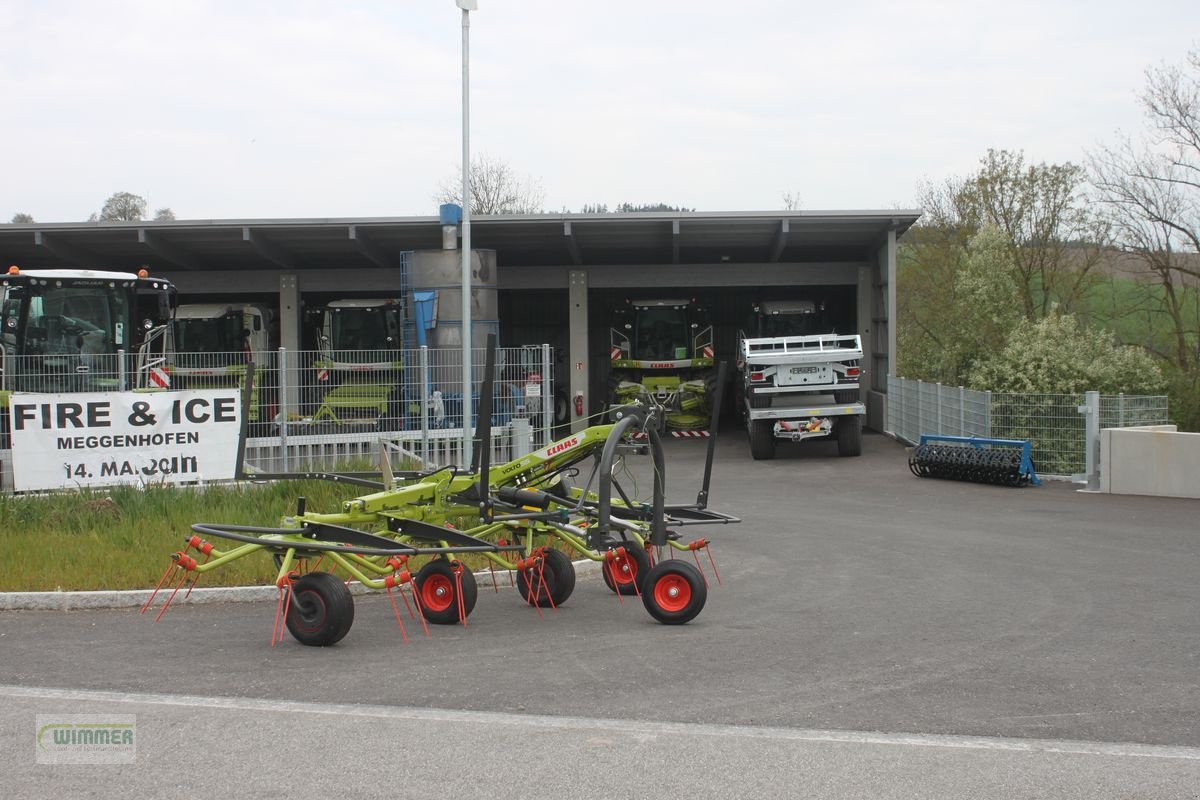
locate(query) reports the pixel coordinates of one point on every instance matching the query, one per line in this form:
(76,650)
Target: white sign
(106,438)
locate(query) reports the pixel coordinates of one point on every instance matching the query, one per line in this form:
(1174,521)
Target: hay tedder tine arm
(459,542)
(297,540)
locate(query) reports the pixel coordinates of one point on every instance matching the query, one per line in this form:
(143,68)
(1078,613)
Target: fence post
(121,376)
(962,411)
(282,372)
(889,405)
(1121,410)
(938,406)
(987,415)
(920,410)
(1091,410)
(424,406)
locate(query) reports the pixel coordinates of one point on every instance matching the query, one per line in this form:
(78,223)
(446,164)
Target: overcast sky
(234,110)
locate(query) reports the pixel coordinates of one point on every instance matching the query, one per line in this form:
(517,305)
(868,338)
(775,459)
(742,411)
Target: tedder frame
(523,517)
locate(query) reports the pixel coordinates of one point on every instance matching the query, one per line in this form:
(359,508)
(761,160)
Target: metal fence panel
(317,410)
(1052,422)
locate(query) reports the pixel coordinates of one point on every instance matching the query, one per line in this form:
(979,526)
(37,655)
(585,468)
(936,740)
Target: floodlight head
(467,5)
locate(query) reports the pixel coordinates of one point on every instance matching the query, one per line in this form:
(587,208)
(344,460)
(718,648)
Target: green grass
(122,538)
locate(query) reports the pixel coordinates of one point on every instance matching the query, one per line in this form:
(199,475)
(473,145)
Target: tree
(792,201)
(984,289)
(164,215)
(495,189)
(928,262)
(1058,355)
(1054,238)
(973,314)
(1053,244)
(1149,191)
(21,216)
(123,207)
(634,208)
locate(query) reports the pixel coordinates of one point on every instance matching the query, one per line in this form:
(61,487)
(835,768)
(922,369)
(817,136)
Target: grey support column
(577,363)
(864,312)
(889,255)
(289,335)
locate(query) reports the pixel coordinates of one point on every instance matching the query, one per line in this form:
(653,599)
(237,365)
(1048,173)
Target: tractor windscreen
(212,342)
(361,330)
(791,325)
(86,321)
(662,334)
(70,337)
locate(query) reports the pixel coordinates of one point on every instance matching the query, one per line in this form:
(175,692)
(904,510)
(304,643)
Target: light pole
(467,7)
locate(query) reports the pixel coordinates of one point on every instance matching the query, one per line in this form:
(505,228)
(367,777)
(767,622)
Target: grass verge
(122,538)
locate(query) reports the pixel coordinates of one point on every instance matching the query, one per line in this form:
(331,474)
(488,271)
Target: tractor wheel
(846,396)
(629,570)
(559,575)
(437,588)
(321,609)
(675,592)
(849,436)
(562,408)
(762,439)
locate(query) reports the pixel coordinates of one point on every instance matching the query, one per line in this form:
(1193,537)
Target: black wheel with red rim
(438,589)
(674,592)
(552,585)
(626,573)
(320,610)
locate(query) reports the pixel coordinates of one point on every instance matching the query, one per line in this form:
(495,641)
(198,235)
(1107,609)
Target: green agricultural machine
(663,350)
(526,518)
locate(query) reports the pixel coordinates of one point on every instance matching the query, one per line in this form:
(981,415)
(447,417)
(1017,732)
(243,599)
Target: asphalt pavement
(877,635)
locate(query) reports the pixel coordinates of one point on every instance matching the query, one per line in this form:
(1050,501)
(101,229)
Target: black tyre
(849,436)
(762,439)
(629,570)
(846,396)
(321,609)
(562,408)
(675,592)
(553,586)
(437,587)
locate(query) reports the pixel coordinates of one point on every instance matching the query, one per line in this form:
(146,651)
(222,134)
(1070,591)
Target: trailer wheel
(846,396)
(321,609)
(559,575)
(762,439)
(849,436)
(629,571)
(438,590)
(675,592)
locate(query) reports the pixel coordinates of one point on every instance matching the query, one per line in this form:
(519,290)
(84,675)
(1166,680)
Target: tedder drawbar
(524,516)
